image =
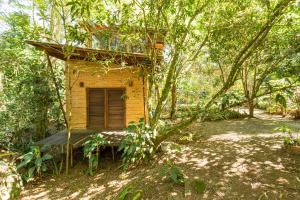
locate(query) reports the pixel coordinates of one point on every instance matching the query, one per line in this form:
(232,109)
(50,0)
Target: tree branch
(57,90)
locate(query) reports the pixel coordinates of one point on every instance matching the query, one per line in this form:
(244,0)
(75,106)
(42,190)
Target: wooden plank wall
(94,75)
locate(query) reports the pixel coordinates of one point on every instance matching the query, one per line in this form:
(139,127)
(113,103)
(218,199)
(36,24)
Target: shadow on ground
(238,159)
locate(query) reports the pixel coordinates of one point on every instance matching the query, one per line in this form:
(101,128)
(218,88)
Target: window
(106,108)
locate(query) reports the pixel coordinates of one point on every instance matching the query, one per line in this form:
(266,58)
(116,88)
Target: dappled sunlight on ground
(238,159)
(242,164)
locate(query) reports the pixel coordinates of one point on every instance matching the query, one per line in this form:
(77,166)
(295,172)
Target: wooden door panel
(96,108)
(116,109)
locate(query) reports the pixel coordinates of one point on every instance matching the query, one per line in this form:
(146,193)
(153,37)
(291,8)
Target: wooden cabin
(107,79)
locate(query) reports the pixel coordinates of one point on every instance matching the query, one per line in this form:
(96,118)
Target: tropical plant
(138,144)
(35,162)
(129,192)
(216,114)
(173,172)
(93,144)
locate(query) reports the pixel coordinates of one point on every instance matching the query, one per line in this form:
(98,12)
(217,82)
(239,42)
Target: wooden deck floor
(78,137)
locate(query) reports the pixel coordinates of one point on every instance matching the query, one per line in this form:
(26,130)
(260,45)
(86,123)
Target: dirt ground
(237,159)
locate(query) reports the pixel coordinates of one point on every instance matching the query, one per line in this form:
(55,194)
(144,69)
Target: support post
(71,149)
(113,152)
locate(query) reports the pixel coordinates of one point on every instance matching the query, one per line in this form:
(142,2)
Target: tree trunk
(173,104)
(251,107)
(41,122)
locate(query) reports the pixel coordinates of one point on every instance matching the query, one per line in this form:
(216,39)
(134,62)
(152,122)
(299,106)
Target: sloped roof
(87,54)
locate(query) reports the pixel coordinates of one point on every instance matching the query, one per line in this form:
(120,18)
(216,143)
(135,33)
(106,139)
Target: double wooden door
(106,108)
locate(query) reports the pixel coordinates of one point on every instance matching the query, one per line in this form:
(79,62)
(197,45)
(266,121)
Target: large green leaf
(25,159)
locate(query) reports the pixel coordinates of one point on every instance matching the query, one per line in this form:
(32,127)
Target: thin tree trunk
(172,69)
(251,107)
(57,90)
(157,95)
(174,99)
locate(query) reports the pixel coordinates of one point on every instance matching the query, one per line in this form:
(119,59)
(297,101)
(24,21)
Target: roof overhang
(78,53)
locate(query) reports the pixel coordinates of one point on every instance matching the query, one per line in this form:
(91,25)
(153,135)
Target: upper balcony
(107,43)
(132,41)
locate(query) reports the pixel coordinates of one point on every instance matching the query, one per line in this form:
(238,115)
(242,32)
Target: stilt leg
(71,149)
(113,153)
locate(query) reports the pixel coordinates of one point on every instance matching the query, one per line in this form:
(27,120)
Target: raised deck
(79,136)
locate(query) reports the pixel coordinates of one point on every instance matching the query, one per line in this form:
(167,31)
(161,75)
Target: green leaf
(137,195)
(47,157)
(26,158)
(122,195)
(176,175)
(164,170)
(199,186)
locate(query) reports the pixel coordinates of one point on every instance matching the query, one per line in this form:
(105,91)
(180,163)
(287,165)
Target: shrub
(263,103)
(138,144)
(295,112)
(35,162)
(289,138)
(229,98)
(216,114)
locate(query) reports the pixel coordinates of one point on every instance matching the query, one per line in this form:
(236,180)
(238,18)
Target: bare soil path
(238,159)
